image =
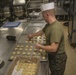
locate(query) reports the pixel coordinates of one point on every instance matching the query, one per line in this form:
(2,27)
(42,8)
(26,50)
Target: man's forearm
(38,33)
(48,48)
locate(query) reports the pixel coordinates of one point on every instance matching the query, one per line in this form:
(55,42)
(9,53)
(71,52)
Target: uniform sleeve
(55,36)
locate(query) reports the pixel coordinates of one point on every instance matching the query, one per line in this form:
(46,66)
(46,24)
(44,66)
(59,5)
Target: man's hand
(38,46)
(30,36)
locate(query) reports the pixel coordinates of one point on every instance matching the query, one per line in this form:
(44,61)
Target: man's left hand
(38,46)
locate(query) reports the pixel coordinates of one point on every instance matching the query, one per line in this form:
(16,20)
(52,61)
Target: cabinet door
(71,5)
(73,40)
(74,22)
(74,5)
(70,28)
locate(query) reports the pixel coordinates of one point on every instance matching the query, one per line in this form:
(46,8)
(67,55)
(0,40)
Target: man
(53,31)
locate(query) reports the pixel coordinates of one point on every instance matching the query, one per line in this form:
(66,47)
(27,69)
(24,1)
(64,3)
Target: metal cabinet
(72,22)
(73,5)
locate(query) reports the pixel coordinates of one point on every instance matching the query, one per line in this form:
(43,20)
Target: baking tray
(41,54)
(23,66)
(21,49)
(11,24)
(28,50)
(36,39)
(32,29)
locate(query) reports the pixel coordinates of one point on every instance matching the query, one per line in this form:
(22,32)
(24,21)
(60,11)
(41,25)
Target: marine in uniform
(54,33)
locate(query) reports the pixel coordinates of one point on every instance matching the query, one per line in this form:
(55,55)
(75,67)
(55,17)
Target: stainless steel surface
(38,23)
(43,68)
(23,21)
(32,29)
(19,2)
(12,31)
(6,46)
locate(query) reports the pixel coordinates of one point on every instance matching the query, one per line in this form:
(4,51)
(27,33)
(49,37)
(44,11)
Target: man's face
(45,16)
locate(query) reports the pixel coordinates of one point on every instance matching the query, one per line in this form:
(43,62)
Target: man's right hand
(30,36)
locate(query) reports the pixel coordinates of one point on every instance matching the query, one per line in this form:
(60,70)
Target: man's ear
(47,15)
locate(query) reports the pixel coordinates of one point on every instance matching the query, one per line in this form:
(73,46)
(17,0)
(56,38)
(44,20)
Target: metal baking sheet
(42,54)
(22,50)
(28,50)
(36,39)
(32,29)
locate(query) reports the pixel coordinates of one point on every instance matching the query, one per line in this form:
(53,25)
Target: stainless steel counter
(6,46)
(43,68)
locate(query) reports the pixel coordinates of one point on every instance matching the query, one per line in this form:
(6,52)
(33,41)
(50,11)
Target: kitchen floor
(71,53)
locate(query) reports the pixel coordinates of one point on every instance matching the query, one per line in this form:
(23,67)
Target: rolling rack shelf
(33,5)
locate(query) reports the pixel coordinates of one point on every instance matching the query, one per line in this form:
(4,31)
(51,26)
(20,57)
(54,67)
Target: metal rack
(72,23)
(33,6)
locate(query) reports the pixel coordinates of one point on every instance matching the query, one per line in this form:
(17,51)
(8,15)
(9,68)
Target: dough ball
(30,49)
(26,49)
(30,41)
(22,46)
(14,53)
(16,49)
(31,46)
(18,46)
(43,58)
(28,53)
(20,49)
(24,53)
(18,52)
(26,41)
(12,57)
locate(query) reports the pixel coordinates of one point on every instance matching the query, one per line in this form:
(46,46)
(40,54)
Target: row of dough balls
(21,46)
(42,58)
(28,53)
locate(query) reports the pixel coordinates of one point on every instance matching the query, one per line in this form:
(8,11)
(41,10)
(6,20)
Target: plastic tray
(11,24)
